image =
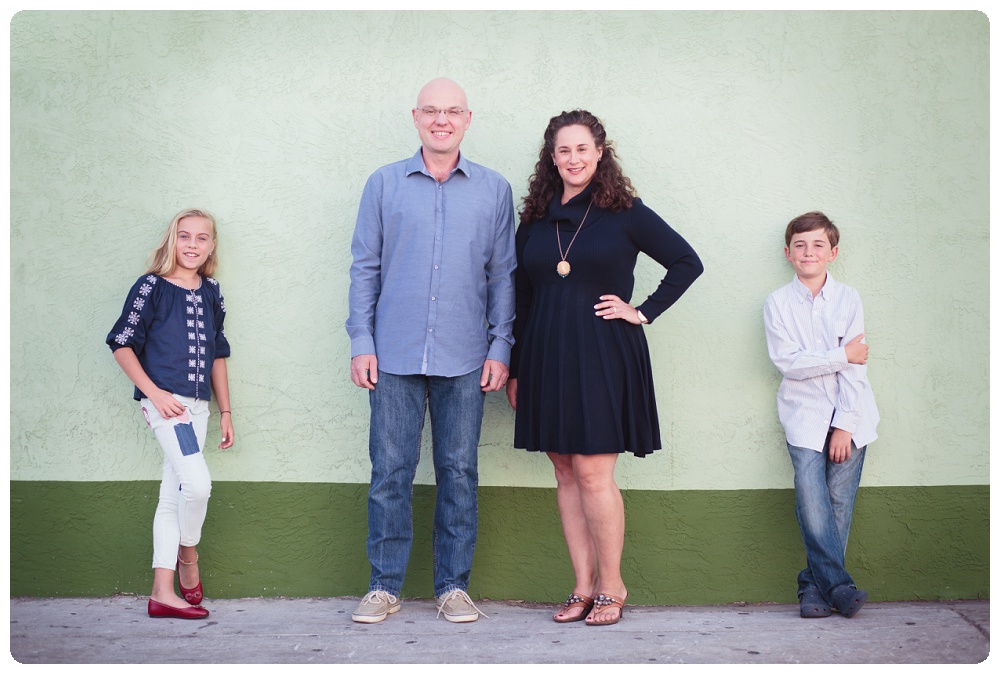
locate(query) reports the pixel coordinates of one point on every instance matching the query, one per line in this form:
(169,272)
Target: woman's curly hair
(611,189)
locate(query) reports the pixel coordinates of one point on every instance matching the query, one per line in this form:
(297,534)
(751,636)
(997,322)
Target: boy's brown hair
(811,221)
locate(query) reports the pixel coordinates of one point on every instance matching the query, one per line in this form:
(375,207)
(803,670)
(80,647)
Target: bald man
(431,316)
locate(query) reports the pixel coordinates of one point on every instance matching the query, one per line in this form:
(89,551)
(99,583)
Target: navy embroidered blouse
(175,333)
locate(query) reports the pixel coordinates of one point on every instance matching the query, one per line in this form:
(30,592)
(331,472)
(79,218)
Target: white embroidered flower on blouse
(123,337)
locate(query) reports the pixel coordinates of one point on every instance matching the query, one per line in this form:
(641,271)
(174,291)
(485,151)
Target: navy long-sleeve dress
(585,384)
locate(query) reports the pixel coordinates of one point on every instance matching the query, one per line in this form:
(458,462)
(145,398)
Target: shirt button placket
(436,270)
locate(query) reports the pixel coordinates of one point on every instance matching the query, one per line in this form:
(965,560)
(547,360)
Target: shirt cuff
(648,311)
(361,346)
(499,351)
(847,421)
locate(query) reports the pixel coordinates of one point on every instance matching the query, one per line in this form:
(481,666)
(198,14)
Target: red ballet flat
(192,595)
(158,610)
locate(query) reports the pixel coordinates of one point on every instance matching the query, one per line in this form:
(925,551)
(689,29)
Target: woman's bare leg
(605,515)
(582,552)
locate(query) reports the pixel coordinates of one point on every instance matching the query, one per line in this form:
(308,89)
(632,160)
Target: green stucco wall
(728,123)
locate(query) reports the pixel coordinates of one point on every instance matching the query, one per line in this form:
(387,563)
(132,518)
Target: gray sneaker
(457,607)
(375,606)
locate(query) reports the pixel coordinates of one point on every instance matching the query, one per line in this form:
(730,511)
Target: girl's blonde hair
(163,260)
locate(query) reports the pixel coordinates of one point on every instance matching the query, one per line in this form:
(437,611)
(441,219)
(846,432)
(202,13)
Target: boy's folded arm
(791,359)
(803,364)
(852,380)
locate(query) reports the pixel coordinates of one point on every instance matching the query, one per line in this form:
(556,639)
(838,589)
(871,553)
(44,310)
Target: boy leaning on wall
(815,337)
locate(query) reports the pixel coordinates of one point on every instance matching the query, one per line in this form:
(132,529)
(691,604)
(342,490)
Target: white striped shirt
(819,388)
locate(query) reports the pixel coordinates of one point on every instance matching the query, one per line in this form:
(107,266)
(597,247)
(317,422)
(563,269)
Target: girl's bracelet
(225,412)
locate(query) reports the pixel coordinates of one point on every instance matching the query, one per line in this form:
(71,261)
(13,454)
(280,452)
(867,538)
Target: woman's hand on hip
(612,307)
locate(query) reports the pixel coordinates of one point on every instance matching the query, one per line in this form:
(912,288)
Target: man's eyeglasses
(451,113)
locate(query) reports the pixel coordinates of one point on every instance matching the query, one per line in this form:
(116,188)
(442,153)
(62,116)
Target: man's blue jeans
(398,405)
(824,505)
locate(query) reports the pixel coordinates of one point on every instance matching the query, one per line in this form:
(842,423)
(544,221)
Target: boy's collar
(803,291)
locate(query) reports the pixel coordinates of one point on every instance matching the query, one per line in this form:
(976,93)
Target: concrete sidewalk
(319,630)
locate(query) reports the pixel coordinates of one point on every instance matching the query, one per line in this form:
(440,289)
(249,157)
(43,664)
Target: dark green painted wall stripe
(682,547)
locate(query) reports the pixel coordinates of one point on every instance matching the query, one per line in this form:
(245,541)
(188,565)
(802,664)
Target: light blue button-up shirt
(819,389)
(432,282)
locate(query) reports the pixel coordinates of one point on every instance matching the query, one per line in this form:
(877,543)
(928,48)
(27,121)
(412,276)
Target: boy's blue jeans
(398,405)
(824,505)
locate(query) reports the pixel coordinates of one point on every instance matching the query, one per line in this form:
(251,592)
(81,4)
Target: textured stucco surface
(681,547)
(728,123)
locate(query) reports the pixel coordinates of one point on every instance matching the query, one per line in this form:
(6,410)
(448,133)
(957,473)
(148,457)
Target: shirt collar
(804,293)
(416,164)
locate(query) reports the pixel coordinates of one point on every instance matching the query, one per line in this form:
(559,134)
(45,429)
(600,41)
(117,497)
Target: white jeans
(186,484)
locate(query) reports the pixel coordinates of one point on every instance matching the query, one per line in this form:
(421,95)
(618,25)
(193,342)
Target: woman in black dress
(581,381)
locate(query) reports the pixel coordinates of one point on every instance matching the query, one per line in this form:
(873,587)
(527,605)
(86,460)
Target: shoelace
(462,595)
(377,597)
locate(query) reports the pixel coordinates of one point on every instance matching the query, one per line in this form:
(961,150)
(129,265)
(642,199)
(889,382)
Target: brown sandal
(605,603)
(574,600)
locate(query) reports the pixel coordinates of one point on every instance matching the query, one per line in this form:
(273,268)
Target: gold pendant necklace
(563,267)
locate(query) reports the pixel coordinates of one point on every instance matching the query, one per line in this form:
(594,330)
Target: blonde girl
(169,342)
